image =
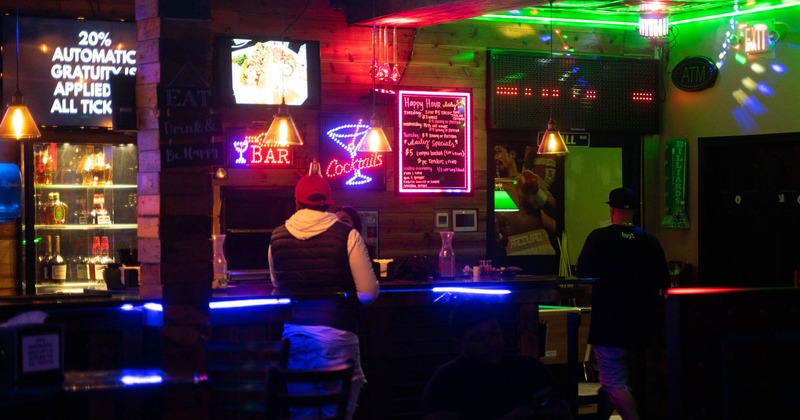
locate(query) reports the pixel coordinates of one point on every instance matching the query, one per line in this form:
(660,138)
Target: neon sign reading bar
(247,151)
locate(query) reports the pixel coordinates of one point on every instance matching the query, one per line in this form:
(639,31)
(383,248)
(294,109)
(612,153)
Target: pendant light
(552,142)
(375,140)
(17,122)
(502,200)
(283,131)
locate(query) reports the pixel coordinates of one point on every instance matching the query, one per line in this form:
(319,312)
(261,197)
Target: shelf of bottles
(85,198)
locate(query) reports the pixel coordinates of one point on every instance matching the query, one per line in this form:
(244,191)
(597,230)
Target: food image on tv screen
(268,71)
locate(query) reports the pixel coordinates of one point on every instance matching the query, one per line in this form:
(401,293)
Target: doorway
(749,210)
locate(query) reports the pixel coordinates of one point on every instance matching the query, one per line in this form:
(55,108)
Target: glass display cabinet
(85,200)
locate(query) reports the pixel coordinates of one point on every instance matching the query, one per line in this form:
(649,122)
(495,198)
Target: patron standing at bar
(315,255)
(631,272)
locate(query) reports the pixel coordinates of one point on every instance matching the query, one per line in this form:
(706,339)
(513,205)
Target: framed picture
(465,220)
(441,219)
(369,228)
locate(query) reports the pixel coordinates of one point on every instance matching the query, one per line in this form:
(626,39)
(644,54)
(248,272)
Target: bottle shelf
(92,223)
(84,187)
(117,226)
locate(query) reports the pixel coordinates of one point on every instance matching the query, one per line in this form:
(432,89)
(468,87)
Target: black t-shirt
(630,268)
(484,392)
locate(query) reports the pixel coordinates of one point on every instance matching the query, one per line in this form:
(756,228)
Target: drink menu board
(435,131)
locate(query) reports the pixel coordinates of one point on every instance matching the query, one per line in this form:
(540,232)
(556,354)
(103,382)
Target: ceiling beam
(418,13)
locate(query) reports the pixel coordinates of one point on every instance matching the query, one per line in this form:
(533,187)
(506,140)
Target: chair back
(237,374)
(323,391)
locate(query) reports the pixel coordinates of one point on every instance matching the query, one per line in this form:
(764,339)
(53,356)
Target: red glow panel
(702,290)
(603,94)
(508,91)
(548,92)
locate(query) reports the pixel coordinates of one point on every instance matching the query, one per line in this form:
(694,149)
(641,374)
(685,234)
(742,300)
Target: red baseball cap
(313,190)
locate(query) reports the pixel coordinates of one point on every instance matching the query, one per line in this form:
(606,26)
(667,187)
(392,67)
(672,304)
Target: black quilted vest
(313,267)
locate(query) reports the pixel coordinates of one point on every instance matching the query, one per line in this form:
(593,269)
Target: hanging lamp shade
(18,122)
(376,140)
(282,131)
(502,200)
(552,142)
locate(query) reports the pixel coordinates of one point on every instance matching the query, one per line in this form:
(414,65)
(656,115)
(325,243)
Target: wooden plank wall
(445,56)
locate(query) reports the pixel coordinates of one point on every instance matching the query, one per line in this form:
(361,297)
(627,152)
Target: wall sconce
(221,173)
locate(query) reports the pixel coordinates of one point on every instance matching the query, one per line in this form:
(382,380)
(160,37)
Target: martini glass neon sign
(349,137)
(241,147)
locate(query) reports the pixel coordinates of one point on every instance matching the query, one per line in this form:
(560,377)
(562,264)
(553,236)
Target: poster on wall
(67,66)
(435,136)
(535,185)
(342,164)
(675,160)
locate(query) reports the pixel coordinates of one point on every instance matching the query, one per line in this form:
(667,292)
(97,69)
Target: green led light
(738,13)
(535,19)
(618,19)
(740,58)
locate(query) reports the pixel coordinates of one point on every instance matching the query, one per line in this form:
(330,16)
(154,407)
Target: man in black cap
(483,382)
(631,273)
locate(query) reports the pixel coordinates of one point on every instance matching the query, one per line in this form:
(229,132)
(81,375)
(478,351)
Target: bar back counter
(404,337)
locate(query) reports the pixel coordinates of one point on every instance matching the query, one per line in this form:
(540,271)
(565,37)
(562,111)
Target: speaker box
(123,103)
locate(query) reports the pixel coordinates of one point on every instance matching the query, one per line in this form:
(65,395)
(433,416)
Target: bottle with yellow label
(59,210)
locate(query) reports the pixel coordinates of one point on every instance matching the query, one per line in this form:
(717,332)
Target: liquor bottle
(68,173)
(72,267)
(58,267)
(105,257)
(44,262)
(43,167)
(47,211)
(40,264)
(80,215)
(94,260)
(59,209)
(314,168)
(81,268)
(41,214)
(99,213)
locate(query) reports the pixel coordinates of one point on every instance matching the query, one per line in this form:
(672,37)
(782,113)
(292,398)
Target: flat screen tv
(265,71)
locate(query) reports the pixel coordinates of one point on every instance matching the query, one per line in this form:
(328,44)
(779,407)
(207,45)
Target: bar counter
(404,337)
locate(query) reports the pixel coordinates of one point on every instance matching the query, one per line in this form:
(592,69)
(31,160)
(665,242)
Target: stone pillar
(175,203)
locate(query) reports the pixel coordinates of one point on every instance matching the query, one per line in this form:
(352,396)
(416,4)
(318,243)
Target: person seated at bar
(483,382)
(349,215)
(315,255)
